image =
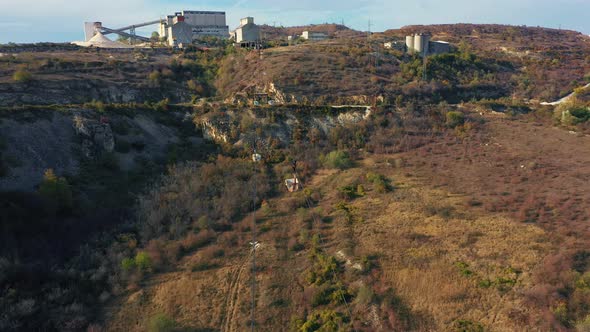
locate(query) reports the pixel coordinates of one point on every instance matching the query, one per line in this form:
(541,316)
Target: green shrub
(561,314)
(463,325)
(380,182)
(580,115)
(162,105)
(155,76)
(162,323)
(584,325)
(97,105)
(56,191)
(348,192)
(324,321)
(365,295)
(143,261)
(455,119)
(322,296)
(464,268)
(127,264)
(337,159)
(22,76)
(323,270)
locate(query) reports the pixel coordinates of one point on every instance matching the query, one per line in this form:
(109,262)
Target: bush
(162,105)
(162,323)
(580,115)
(337,159)
(155,77)
(97,105)
(127,264)
(22,76)
(463,325)
(455,119)
(351,192)
(326,321)
(143,261)
(380,182)
(584,325)
(57,192)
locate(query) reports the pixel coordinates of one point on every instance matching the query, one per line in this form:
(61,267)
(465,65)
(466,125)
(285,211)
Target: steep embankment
(416,258)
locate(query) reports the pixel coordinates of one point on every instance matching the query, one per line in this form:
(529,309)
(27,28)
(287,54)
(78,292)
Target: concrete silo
(421,42)
(410,43)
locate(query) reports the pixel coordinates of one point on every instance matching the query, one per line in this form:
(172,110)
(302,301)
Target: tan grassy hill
(430,271)
(310,71)
(443,236)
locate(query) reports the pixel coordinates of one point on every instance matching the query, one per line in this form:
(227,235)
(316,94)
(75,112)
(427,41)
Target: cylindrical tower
(425,44)
(410,43)
(418,43)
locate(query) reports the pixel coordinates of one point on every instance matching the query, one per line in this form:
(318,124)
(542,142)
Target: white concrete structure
(422,45)
(398,45)
(90,29)
(201,23)
(314,36)
(247,32)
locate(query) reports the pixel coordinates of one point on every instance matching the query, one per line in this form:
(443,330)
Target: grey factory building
(189,25)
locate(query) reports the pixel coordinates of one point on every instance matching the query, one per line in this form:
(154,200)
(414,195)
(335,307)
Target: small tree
(337,159)
(143,261)
(162,323)
(22,76)
(155,37)
(56,192)
(455,119)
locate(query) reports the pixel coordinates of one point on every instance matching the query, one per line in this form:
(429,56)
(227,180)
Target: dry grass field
(429,255)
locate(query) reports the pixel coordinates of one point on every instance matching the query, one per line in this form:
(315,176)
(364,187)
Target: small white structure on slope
(314,36)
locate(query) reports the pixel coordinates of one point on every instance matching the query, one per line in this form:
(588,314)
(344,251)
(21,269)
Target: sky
(25,21)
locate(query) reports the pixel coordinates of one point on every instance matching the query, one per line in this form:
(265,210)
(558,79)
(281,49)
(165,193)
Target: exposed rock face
(96,136)
(75,91)
(226,128)
(216,130)
(36,144)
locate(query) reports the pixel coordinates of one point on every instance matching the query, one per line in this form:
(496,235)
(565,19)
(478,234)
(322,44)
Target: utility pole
(425,62)
(254,243)
(369,31)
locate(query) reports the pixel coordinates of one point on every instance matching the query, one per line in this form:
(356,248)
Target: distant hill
(333,30)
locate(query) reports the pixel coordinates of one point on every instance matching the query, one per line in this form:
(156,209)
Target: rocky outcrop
(96,136)
(216,130)
(227,127)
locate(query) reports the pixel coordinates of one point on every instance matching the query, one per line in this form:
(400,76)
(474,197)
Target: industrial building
(247,34)
(314,36)
(422,45)
(189,25)
(395,45)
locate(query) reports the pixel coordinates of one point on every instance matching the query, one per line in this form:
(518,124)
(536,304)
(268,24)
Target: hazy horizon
(28,21)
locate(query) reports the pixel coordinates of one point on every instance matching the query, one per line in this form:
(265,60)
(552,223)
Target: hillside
(333,30)
(134,183)
(550,62)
